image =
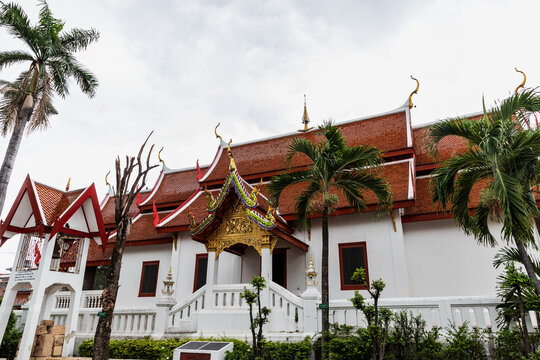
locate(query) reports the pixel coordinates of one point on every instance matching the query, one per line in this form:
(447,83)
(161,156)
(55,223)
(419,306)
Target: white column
(266,273)
(75,301)
(401,274)
(32,320)
(211,279)
(10,293)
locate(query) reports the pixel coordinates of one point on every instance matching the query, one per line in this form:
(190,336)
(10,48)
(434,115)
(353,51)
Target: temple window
(95,277)
(149,276)
(351,257)
(201,264)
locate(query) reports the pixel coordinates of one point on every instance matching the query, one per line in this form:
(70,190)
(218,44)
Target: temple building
(187,262)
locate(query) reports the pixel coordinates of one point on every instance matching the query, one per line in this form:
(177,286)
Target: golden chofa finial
(215,132)
(67,186)
(233,165)
(414,92)
(522,85)
(107,181)
(159,155)
(305,117)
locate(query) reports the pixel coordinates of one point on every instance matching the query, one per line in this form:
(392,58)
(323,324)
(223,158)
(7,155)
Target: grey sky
(180,67)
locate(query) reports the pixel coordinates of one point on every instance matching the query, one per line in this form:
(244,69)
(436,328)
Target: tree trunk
(25,112)
(103,330)
(324,281)
(528,265)
(526,340)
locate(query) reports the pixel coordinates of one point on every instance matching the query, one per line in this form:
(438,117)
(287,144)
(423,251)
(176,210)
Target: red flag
(38,255)
(199,175)
(156,216)
(139,199)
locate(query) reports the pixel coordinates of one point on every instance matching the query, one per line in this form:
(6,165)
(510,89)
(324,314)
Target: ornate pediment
(237,228)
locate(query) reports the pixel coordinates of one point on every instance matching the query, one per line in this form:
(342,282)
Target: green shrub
(146,348)
(409,340)
(287,351)
(464,344)
(8,348)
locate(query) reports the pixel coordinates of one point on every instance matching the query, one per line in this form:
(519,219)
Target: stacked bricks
(49,340)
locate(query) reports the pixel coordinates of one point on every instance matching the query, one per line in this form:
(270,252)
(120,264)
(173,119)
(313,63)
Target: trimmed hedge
(150,349)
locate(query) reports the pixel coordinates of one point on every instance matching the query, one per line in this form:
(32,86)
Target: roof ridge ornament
(232,166)
(159,155)
(68,183)
(522,85)
(305,118)
(415,91)
(107,181)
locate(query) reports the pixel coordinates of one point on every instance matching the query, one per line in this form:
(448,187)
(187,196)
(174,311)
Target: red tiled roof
(108,210)
(424,205)
(387,133)
(53,201)
(142,229)
(174,188)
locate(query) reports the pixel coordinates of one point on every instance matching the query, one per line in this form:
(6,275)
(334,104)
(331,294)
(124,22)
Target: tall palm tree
(27,102)
(335,169)
(501,159)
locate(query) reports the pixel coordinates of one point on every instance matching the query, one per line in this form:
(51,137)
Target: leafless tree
(125,192)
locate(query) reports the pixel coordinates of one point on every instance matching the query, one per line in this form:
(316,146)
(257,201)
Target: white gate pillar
(211,278)
(9,295)
(266,273)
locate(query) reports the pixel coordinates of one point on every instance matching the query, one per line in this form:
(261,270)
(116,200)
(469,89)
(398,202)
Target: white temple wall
(296,266)
(251,265)
(130,274)
(378,233)
(228,273)
(443,261)
(188,249)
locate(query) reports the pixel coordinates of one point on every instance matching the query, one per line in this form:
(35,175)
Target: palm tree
(27,102)
(335,169)
(501,159)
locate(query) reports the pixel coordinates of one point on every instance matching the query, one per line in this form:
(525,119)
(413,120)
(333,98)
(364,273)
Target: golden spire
(522,85)
(305,117)
(159,155)
(67,186)
(415,91)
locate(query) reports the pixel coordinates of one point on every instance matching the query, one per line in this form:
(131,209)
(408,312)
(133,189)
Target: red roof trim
(28,188)
(89,193)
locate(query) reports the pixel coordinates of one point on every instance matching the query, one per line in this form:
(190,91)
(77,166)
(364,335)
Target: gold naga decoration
(107,181)
(415,91)
(522,85)
(191,218)
(232,166)
(159,155)
(209,195)
(215,132)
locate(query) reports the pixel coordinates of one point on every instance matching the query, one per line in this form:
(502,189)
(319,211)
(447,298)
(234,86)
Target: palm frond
(14,18)
(78,39)
(282,181)
(301,146)
(8,58)
(507,254)
(466,129)
(355,183)
(44,106)
(302,203)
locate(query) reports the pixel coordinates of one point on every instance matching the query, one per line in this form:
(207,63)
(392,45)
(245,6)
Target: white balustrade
(286,307)
(477,311)
(182,317)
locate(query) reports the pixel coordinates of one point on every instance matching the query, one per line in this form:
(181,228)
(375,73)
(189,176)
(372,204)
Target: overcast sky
(180,67)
